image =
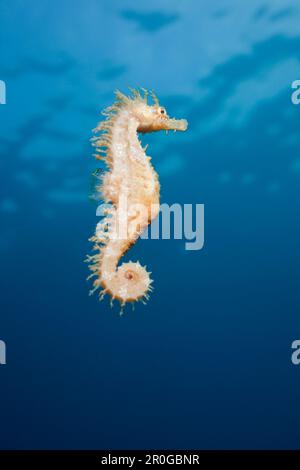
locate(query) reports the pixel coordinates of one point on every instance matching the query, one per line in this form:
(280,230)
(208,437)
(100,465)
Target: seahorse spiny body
(131,187)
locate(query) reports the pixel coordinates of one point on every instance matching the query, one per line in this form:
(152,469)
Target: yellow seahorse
(131,187)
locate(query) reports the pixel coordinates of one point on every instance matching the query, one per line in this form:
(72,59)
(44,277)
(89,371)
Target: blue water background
(207,363)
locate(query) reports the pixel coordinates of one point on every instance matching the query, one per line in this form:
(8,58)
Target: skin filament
(131,188)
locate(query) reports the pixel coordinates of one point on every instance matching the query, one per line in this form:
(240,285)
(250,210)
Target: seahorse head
(155,118)
(151,117)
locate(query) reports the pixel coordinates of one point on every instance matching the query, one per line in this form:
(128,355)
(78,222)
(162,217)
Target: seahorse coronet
(131,186)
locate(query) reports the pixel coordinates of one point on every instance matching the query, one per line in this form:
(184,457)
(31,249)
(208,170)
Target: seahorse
(131,187)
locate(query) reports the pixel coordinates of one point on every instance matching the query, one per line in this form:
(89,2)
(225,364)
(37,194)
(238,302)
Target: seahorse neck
(126,148)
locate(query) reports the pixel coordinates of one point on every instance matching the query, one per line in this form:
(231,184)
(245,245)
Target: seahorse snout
(177,124)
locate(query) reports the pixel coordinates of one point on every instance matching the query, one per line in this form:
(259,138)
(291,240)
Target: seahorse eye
(162,111)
